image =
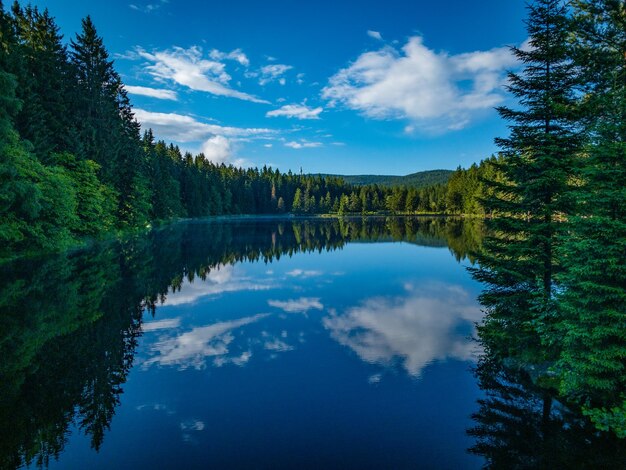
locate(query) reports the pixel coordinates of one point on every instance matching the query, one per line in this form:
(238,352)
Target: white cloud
(375,35)
(158,93)
(277,345)
(434,90)
(273,72)
(304,273)
(188,68)
(301,305)
(181,128)
(240,360)
(430,324)
(220,149)
(218,143)
(148,8)
(303,144)
(297,111)
(217,149)
(236,55)
(374,378)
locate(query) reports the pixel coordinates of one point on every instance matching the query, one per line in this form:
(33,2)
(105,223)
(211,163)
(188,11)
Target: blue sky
(351,87)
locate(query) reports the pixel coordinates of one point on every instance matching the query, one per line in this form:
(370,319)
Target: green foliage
(467,190)
(37,203)
(421,179)
(533,195)
(69,124)
(95,209)
(297,205)
(555,264)
(593,296)
(613,419)
(42,68)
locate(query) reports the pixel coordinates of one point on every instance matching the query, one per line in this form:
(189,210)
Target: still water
(246,343)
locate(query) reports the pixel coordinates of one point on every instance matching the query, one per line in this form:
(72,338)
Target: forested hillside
(418,180)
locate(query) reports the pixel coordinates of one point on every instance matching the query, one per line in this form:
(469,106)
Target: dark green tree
(593,299)
(298,204)
(45,82)
(107,130)
(534,196)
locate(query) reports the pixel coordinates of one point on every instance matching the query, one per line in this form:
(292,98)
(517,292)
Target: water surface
(250,343)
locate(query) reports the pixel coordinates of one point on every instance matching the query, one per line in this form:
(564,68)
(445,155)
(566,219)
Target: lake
(253,343)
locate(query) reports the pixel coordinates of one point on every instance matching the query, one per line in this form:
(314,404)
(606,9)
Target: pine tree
(37,204)
(298,205)
(344,205)
(593,362)
(327,203)
(534,197)
(96,95)
(412,200)
(306,202)
(107,130)
(455,192)
(131,172)
(45,82)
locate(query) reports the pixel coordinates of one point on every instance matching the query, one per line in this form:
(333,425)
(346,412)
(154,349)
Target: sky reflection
(221,280)
(192,348)
(268,361)
(428,324)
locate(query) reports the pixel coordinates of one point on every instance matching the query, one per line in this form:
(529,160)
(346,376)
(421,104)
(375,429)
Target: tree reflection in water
(70,323)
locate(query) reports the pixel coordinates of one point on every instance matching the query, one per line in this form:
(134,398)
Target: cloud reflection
(220,280)
(192,348)
(157,325)
(301,305)
(304,274)
(430,324)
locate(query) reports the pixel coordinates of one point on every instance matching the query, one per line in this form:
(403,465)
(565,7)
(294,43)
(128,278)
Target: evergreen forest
(75,164)
(548,245)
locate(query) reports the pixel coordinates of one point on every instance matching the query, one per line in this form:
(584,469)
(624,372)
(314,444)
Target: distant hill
(416,180)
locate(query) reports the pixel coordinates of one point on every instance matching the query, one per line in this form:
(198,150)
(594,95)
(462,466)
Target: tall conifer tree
(108,131)
(593,363)
(534,198)
(45,82)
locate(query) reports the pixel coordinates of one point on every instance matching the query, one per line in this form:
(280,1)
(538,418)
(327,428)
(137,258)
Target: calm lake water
(250,343)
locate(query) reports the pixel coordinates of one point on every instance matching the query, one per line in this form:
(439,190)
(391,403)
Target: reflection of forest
(522,425)
(70,323)
(553,375)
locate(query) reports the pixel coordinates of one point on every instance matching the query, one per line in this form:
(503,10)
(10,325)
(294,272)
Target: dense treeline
(420,179)
(74,163)
(555,261)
